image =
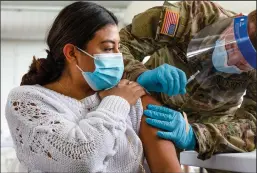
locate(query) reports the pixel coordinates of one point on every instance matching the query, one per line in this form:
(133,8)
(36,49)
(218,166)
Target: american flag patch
(170,23)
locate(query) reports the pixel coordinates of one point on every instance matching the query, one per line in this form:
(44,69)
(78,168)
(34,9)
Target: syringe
(193,76)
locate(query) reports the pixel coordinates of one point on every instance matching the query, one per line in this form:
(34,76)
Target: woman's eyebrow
(107,41)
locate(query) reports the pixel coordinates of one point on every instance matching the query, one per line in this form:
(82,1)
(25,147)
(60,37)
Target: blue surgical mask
(109,68)
(220,59)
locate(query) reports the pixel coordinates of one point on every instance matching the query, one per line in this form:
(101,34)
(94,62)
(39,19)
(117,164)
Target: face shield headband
(242,39)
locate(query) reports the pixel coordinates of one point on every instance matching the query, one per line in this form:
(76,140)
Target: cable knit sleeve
(45,140)
(135,115)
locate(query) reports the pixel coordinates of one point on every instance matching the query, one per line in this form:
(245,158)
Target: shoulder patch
(170,23)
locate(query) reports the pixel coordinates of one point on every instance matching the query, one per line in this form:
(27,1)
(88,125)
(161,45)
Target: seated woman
(61,123)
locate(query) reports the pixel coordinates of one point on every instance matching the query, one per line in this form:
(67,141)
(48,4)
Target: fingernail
(147,120)
(147,91)
(148,106)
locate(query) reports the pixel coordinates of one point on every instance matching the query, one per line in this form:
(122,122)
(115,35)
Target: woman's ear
(70,53)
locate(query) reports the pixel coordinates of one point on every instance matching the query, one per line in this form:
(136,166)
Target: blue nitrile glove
(165,78)
(174,125)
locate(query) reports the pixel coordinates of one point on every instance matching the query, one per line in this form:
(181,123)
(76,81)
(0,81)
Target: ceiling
(107,4)
(30,20)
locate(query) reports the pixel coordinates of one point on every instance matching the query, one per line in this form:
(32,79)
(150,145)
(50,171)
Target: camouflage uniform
(220,124)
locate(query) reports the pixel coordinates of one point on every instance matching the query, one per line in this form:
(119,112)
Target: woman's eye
(108,49)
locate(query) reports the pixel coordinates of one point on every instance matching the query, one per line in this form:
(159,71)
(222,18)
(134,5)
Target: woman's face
(106,40)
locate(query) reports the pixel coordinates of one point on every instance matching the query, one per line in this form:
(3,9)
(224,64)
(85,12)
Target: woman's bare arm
(160,154)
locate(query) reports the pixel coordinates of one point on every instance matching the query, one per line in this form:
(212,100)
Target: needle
(193,76)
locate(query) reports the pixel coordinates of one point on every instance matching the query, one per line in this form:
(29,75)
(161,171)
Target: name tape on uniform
(170,23)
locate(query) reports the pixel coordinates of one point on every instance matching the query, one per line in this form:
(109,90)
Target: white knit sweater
(56,133)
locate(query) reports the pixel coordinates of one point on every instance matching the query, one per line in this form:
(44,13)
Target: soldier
(174,34)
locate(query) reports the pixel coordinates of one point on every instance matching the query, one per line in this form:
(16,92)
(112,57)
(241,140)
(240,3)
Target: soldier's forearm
(133,67)
(230,136)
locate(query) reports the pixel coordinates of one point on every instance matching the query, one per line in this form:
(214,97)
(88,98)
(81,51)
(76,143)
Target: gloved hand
(165,78)
(174,125)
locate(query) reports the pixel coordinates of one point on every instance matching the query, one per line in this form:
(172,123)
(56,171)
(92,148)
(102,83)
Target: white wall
(30,21)
(16,57)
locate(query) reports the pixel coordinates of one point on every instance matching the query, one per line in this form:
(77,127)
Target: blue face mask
(220,59)
(109,68)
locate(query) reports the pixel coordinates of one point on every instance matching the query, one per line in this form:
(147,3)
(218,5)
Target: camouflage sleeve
(145,35)
(237,135)
(137,41)
(193,17)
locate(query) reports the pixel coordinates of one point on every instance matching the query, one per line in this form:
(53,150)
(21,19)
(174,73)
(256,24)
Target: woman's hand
(129,90)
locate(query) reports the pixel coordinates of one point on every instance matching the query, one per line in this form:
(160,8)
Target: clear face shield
(226,45)
(220,50)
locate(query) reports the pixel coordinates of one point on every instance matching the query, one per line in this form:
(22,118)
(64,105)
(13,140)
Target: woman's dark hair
(75,24)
